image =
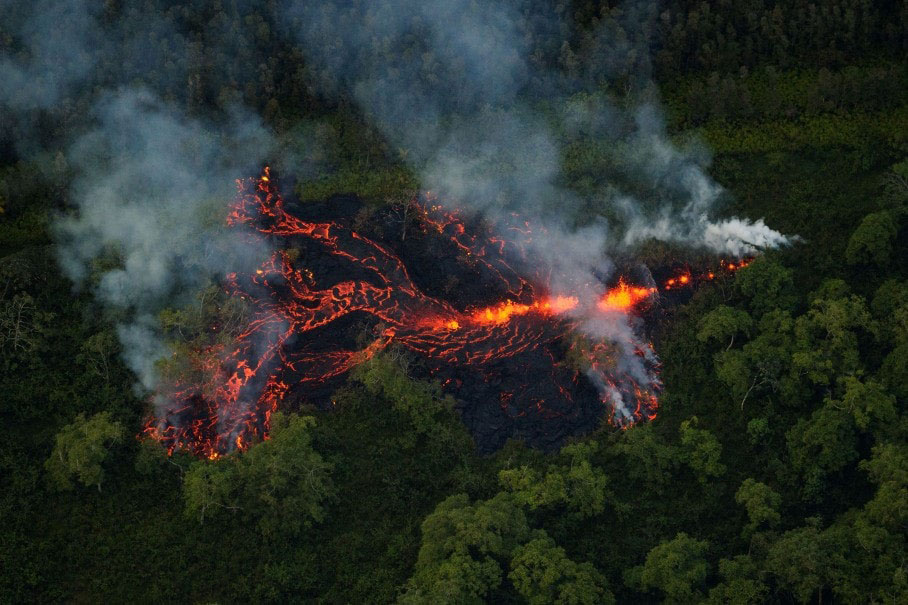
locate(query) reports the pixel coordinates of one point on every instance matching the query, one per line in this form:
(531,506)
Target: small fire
(687,278)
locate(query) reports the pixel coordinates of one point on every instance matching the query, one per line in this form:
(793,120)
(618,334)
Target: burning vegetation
(521,358)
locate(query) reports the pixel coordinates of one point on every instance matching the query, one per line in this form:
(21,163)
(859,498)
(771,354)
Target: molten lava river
(499,340)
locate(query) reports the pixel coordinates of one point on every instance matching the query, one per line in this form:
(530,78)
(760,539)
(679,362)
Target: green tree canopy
(579,487)
(767,284)
(464,547)
(281,483)
(741,583)
(701,451)
(80,449)
(872,241)
(761,502)
(542,573)
(676,568)
(723,324)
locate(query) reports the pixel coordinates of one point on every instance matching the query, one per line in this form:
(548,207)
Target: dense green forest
(776,470)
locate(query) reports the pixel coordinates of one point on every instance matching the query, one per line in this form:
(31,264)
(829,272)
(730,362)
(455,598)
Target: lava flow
(326,275)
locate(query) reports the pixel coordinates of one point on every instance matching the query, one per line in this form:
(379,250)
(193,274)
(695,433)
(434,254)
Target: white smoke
(151,188)
(452,84)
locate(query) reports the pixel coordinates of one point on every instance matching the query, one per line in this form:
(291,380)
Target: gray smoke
(151,184)
(151,189)
(57,36)
(446,81)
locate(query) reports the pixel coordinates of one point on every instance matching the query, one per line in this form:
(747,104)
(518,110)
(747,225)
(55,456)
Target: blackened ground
(532,396)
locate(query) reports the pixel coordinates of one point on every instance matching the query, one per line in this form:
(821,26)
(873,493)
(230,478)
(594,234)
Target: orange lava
(624,297)
(246,383)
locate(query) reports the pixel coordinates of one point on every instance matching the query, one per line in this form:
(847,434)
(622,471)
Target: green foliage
(867,134)
(870,405)
(209,487)
(650,459)
(761,503)
(888,468)
(80,449)
(766,283)
(741,583)
(825,443)
(701,451)
(463,549)
(872,241)
(542,573)
(430,413)
(281,483)
(722,324)
(677,568)
(580,488)
(286,480)
(802,561)
(827,338)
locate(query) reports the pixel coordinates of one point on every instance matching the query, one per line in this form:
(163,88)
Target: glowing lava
(624,297)
(285,347)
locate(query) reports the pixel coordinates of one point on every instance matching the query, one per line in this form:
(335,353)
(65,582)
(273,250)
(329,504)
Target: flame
(503,312)
(686,278)
(624,297)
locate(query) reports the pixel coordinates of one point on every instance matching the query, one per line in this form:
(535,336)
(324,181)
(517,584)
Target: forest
(639,133)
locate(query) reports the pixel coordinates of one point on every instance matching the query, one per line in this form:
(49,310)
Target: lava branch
(246,383)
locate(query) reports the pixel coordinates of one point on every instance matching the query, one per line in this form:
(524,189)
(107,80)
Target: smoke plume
(454,86)
(149,184)
(485,119)
(150,190)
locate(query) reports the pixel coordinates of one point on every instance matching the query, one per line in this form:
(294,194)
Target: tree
(823,444)
(21,324)
(580,487)
(888,468)
(542,573)
(651,461)
(701,451)
(677,568)
(767,284)
(761,503)
(802,561)
(80,450)
(280,483)
(210,487)
(285,480)
(97,354)
(723,324)
(763,361)
(869,404)
(463,547)
(872,241)
(421,402)
(826,338)
(741,583)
